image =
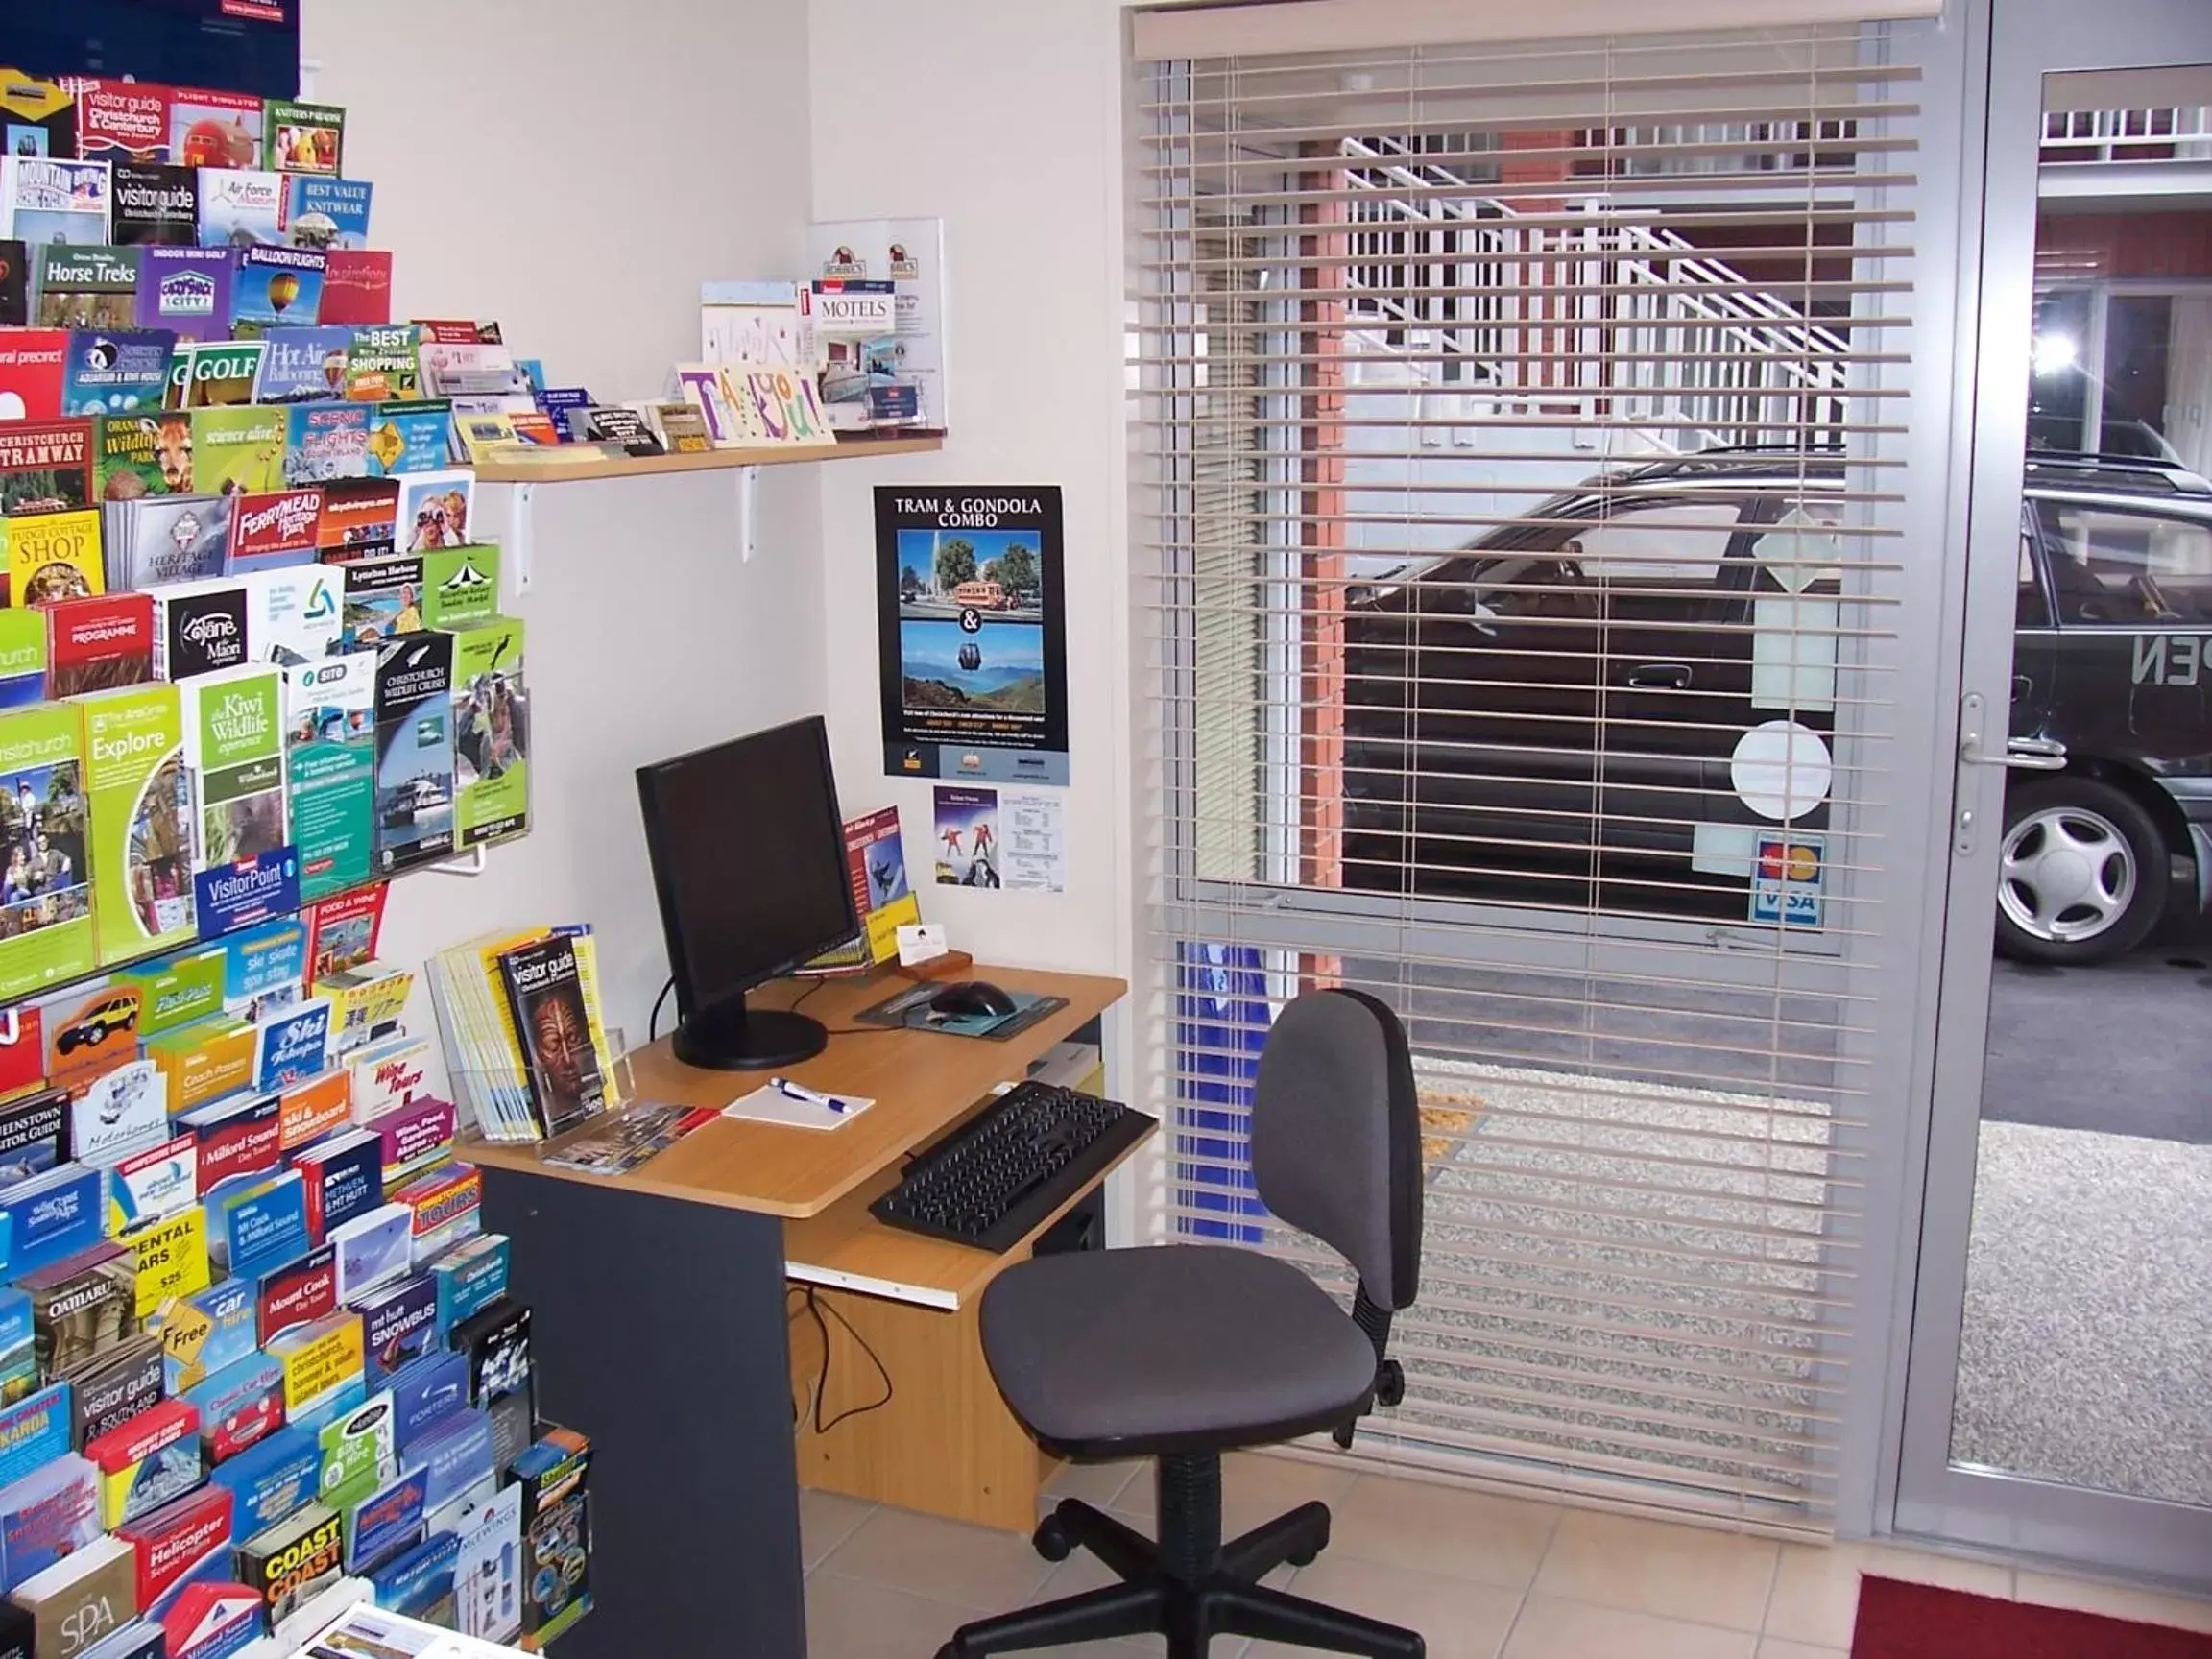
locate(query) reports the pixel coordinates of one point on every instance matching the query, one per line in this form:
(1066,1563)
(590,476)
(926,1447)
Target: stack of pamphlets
(526,1040)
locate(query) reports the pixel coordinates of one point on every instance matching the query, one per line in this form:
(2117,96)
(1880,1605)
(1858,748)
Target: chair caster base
(1190,1609)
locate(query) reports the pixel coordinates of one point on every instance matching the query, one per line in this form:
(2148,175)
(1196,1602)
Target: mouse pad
(910,1009)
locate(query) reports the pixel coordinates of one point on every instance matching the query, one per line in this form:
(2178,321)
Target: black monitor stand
(730,1037)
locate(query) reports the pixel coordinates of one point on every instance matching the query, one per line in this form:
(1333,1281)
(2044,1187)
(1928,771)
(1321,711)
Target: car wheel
(2083,874)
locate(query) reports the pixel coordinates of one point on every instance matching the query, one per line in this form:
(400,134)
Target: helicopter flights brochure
(876,861)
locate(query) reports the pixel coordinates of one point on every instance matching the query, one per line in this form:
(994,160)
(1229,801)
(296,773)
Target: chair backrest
(1336,1136)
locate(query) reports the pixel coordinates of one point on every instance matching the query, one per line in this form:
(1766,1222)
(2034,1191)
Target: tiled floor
(1481,1577)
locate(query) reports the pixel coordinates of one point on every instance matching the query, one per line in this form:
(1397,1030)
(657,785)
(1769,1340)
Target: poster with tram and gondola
(972,632)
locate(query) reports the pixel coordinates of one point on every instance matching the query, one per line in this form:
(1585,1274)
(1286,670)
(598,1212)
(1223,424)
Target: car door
(2131,592)
(1675,664)
(1470,720)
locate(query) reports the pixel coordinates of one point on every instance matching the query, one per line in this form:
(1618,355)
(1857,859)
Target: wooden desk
(921,1084)
(663,1329)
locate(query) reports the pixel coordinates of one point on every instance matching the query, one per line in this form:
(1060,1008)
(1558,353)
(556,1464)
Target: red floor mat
(1920,1622)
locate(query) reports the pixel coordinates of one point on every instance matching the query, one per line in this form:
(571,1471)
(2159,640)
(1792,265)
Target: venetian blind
(1520,482)
(1186,29)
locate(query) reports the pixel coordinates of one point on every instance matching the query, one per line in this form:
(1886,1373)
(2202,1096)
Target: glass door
(2058,1397)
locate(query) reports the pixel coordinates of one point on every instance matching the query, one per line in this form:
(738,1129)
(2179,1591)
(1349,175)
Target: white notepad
(768,1104)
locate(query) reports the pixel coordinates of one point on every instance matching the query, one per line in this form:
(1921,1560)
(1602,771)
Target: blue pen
(791,1091)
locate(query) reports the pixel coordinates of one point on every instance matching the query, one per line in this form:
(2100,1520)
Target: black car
(1626,699)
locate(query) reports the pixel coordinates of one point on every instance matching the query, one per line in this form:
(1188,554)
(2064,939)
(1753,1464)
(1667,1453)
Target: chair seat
(1138,1351)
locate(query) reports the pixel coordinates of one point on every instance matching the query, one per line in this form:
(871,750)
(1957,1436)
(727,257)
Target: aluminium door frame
(2011,46)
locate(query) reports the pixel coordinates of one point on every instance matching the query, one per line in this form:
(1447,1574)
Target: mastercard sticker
(1788,879)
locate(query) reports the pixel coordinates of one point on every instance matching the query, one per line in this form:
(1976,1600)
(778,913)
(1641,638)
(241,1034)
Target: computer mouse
(972,996)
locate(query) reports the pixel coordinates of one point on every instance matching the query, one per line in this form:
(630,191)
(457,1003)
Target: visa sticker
(1788,877)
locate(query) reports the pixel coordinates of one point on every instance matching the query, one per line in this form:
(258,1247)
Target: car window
(2029,609)
(2115,568)
(1676,543)
(1536,586)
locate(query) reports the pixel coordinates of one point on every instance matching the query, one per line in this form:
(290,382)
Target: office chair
(1184,1352)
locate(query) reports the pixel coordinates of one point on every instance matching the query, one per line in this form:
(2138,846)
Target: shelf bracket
(748,512)
(469,863)
(517,551)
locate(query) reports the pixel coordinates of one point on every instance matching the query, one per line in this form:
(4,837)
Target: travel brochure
(627,1138)
(527,1048)
(883,899)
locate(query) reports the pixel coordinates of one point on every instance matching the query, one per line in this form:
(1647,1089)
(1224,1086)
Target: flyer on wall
(1010,839)
(966,822)
(972,632)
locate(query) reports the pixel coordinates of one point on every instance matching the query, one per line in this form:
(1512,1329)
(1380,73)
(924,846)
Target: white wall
(575,170)
(645,637)
(1005,119)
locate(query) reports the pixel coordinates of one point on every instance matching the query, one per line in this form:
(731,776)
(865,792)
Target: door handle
(2022,687)
(1660,677)
(2024,754)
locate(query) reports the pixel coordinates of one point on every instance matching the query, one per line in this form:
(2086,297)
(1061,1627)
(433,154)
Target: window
(2030,609)
(2059,387)
(2115,569)
(2116,361)
(1518,633)
(1545,586)
(1679,545)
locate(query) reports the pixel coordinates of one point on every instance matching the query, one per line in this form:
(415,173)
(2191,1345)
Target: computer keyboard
(1014,1162)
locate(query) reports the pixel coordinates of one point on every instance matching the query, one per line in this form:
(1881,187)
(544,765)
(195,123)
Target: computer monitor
(747,855)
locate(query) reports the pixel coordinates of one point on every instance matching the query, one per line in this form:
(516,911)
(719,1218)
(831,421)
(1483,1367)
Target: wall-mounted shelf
(531,470)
